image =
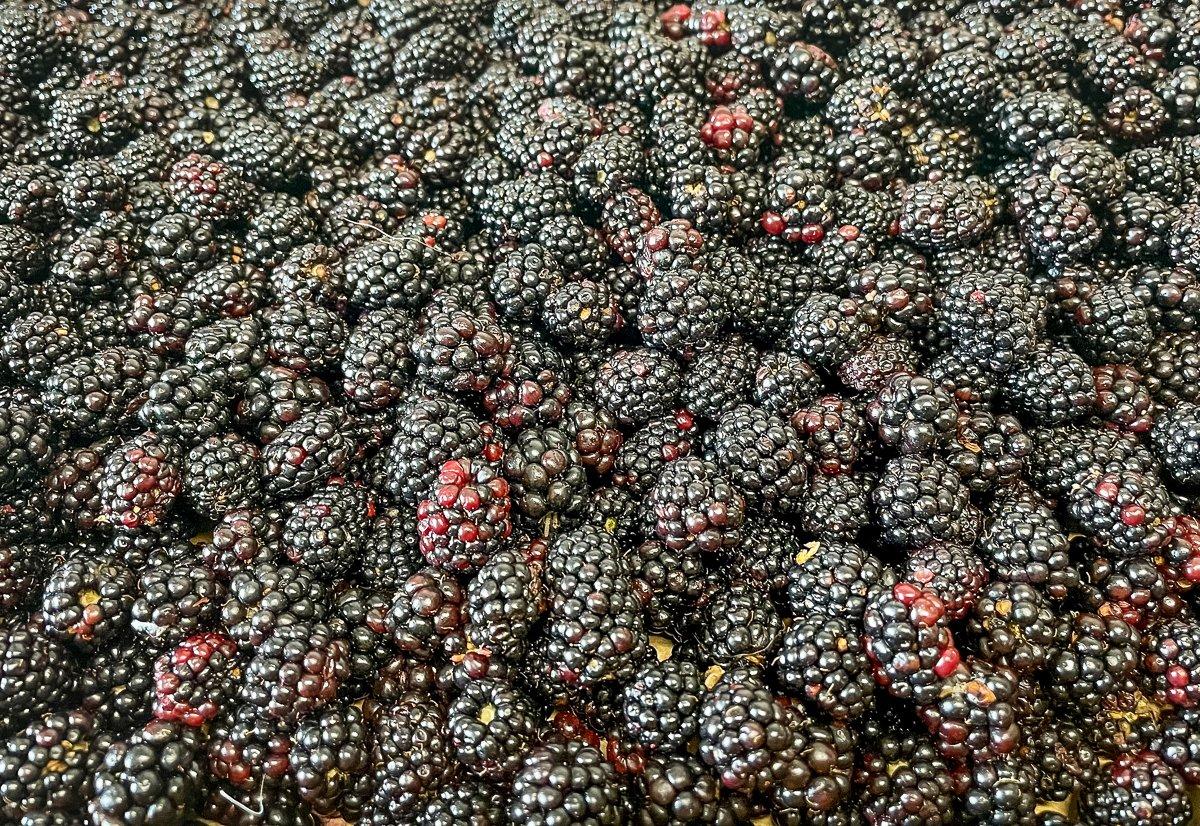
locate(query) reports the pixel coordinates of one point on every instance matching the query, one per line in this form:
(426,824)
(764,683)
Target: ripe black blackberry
(426,614)
(295,672)
(902,777)
(180,246)
(946,214)
(921,500)
(85,601)
(185,404)
(582,314)
(783,383)
(1170,661)
(991,319)
(266,596)
(988,451)
(546,474)
(555,780)
(682,309)
(908,639)
(45,767)
(1139,225)
(638,385)
(901,295)
(1177,744)
(643,455)
(514,210)
(411,759)
(746,736)
(661,704)
(432,431)
(39,674)
(737,624)
(304,336)
(174,601)
(274,397)
(1013,627)
(1056,225)
(230,350)
(221,474)
(157,770)
(94,395)
(1171,296)
(1176,439)
(534,391)
(675,790)
(588,641)
(1139,786)
(503,602)
(1051,386)
(523,279)
(325,532)
(835,579)
(1097,657)
(394,273)
(29,196)
(694,506)
(912,414)
(377,364)
(307,452)
(1087,168)
(836,506)
(826,330)
(460,344)
(1172,369)
(1126,512)
(822,660)
(490,726)
(139,482)
(1122,399)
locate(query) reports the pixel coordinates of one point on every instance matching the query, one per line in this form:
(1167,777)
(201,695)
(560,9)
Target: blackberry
(827,330)
(589,640)
(570,780)
(904,780)
(86,601)
(459,344)
(490,726)
(908,639)
(661,704)
(330,752)
(393,273)
(746,736)
(94,395)
(799,206)
(912,413)
(582,313)
(426,614)
(671,582)
(900,294)
(274,397)
(432,431)
(836,505)
(533,392)
(1170,296)
(1168,661)
(1097,657)
(1141,787)
(1176,438)
(181,246)
(157,770)
(737,623)
(988,451)
(139,483)
(195,679)
(1056,225)
(295,672)
(1125,512)
(1087,168)
(946,214)
(303,336)
(503,602)
(464,801)
(952,573)
(546,473)
(523,279)
(1001,791)
(325,532)
(46,766)
(693,506)
(265,597)
(921,500)
(307,452)
(231,350)
(1052,386)
(411,758)
(638,385)
(784,383)
(1139,226)
(222,474)
(680,790)
(823,661)
(38,674)
(1122,399)
(625,218)
(1172,369)
(183,403)
(644,454)
(175,601)
(465,515)
(991,319)
(763,454)
(90,188)
(1176,743)
(207,189)
(835,579)
(681,309)
(767,552)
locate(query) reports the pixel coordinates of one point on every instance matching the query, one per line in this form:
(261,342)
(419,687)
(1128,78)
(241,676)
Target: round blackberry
(1052,386)
(1140,787)
(303,336)
(432,431)
(156,772)
(222,474)
(37,674)
(737,623)
(229,351)
(1176,440)
(330,753)
(295,672)
(307,452)
(638,385)
(836,505)
(799,206)
(139,482)
(326,531)
(919,501)
(692,505)
(1096,658)
(523,279)
(582,314)
(1125,512)
(411,758)
(460,345)
(175,601)
(682,309)
(534,391)
(426,614)
(1172,369)
(822,660)
(1169,661)
(595,435)
(946,214)
(763,455)
(952,573)
(833,429)
(503,602)
(990,319)
(546,474)
(95,395)
(490,726)
(1056,225)
(903,779)
(571,781)
(661,704)
(45,768)
(394,273)
(679,790)
(265,597)
(85,601)
(827,330)
(746,736)
(195,679)
(783,383)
